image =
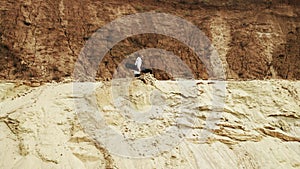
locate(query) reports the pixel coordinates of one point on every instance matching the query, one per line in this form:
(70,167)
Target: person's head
(141,56)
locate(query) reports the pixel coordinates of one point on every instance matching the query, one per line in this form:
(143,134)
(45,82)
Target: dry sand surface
(54,126)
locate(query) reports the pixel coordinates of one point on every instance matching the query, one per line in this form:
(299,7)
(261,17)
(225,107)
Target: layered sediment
(41,40)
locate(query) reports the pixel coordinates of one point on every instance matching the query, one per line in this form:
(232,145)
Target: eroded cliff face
(258,126)
(231,123)
(41,40)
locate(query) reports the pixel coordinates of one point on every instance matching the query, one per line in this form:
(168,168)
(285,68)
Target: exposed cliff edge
(258,127)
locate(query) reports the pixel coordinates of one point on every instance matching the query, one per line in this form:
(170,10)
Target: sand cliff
(52,117)
(41,40)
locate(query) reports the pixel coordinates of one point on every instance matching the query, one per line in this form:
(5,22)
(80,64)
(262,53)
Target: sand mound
(258,127)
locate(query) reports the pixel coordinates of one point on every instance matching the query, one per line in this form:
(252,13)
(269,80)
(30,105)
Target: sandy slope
(258,126)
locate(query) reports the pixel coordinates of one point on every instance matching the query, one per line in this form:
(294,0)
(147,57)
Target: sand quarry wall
(41,40)
(256,127)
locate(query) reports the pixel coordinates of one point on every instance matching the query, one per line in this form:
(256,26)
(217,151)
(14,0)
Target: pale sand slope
(258,127)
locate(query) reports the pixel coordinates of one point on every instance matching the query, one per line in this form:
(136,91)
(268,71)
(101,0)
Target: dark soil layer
(41,40)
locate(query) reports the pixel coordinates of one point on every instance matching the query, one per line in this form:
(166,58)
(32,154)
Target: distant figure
(138,64)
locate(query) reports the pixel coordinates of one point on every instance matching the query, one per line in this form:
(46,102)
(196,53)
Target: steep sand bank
(258,127)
